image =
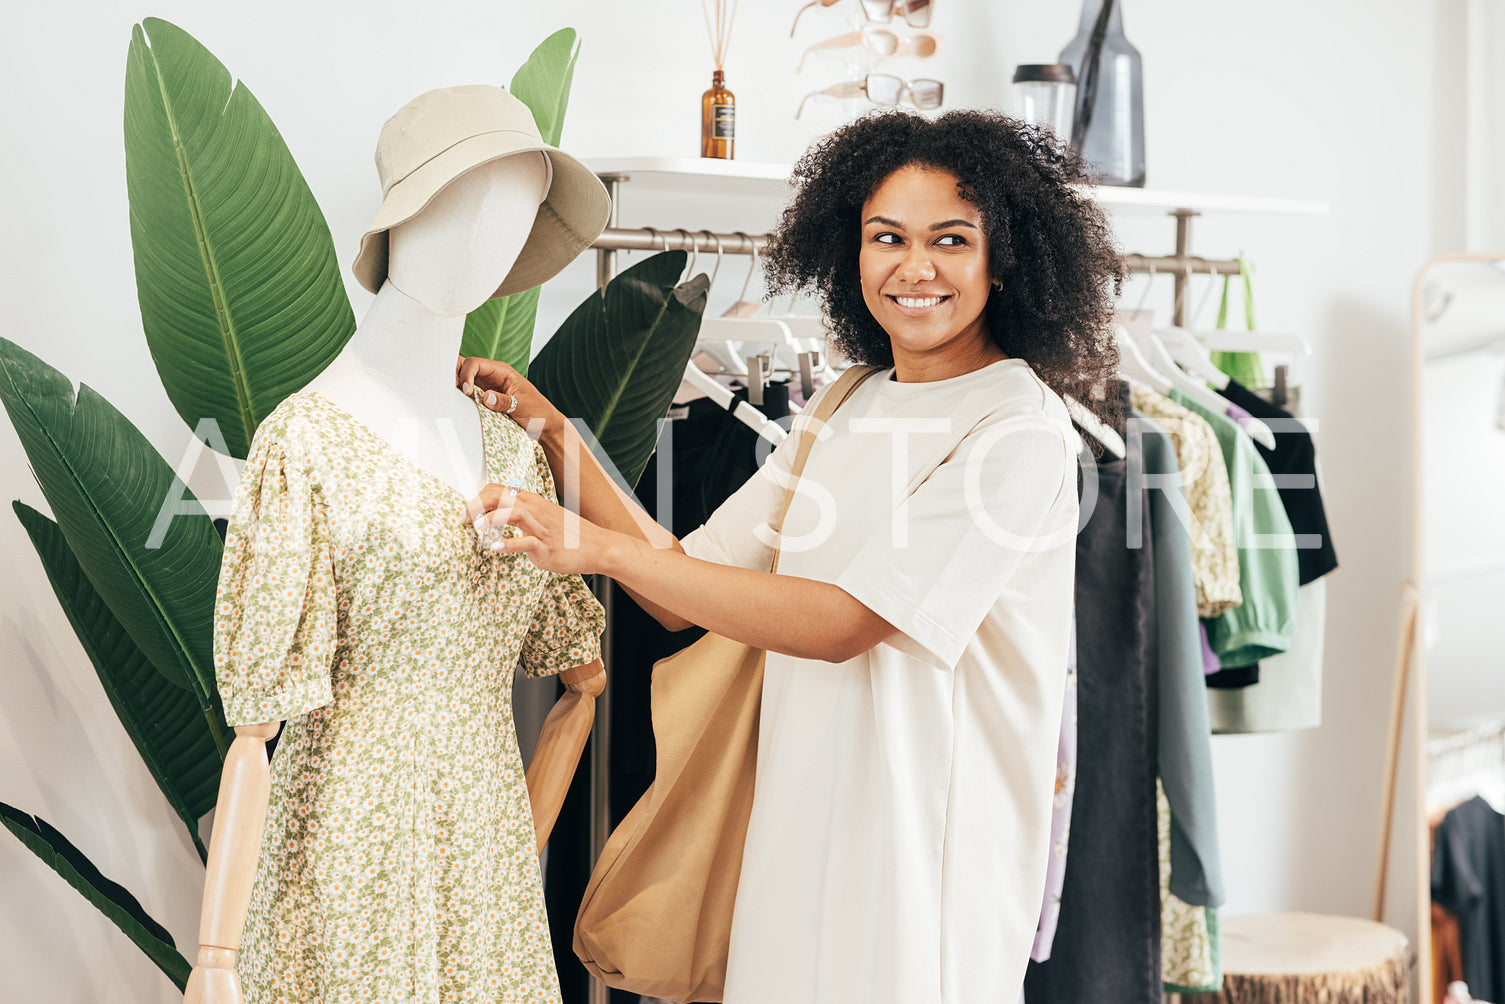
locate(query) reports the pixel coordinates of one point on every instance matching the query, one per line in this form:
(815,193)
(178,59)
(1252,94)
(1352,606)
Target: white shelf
(1155,200)
(738,177)
(695,175)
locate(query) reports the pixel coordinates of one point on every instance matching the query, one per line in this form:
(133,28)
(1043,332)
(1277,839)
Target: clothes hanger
(689,272)
(1239,341)
(1132,363)
(705,385)
(688,390)
(807,327)
(1182,343)
(1134,367)
(810,333)
(745,307)
(1162,364)
(1109,439)
(720,253)
(737,324)
(741,410)
(721,353)
(717,335)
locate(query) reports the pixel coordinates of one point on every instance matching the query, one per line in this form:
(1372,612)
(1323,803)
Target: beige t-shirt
(900,828)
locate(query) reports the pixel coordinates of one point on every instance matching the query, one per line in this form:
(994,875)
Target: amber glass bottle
(718,119)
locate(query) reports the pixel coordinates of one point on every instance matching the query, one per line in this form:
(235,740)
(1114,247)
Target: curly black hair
(1050,250)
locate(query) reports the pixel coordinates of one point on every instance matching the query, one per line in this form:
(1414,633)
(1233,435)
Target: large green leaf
(503,328)
(240,292)
(163,721)
(109,897)
(618,359)
(543,82)
(109,490)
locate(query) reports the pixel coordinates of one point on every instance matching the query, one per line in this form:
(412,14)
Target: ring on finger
(510,409)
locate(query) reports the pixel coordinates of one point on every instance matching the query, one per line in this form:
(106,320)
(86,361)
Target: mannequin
(396,377)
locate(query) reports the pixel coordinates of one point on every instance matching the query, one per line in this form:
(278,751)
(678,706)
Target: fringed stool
(1309,958)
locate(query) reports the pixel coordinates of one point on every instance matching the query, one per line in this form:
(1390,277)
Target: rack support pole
(606,255)
(1183,251)
(600,742)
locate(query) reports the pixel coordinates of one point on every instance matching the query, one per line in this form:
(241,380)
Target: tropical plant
(242,304)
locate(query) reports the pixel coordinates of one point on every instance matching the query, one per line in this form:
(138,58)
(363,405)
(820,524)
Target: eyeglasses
(915,12)
(883,89)
(921,45)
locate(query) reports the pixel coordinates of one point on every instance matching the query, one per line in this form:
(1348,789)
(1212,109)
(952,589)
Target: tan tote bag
(657,915)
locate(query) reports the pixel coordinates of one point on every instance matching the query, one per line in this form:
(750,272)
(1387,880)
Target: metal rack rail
(1181,265)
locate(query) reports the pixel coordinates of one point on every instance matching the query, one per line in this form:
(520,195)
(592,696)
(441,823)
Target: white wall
(1329,101)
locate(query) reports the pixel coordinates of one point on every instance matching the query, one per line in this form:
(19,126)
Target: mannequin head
(454,254)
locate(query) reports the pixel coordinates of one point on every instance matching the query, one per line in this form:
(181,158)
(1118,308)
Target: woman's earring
(997,284)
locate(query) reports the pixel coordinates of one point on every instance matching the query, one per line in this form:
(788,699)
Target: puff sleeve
(275,609)
(567,622)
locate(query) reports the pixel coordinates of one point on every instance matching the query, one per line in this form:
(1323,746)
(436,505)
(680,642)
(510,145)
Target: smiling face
(924,271)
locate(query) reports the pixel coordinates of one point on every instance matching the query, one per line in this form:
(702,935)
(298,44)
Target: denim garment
(1107,942)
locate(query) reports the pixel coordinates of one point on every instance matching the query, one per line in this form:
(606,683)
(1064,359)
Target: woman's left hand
(553,537)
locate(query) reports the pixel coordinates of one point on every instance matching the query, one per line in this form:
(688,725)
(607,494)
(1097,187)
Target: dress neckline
(403,458)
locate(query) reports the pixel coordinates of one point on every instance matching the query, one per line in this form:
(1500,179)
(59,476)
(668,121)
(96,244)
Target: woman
(917,629)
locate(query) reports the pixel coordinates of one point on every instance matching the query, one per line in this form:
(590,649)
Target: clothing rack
(1463,764)
(1182,265)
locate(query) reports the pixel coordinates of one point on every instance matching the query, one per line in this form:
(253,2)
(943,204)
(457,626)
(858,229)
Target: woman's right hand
(507,391)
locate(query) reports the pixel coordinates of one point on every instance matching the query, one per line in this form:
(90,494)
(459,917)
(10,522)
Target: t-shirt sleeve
(949,551)
(274,618)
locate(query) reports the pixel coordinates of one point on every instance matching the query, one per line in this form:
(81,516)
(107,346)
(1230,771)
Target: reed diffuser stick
(721,34)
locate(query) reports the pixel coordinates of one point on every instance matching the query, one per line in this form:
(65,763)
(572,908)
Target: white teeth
(914,302)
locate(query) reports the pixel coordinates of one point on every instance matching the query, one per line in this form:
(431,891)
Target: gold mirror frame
(1411,658)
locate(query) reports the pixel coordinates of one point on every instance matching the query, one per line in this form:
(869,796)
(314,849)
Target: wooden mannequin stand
(557,752)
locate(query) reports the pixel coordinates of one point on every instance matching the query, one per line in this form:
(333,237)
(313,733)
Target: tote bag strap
(845,384)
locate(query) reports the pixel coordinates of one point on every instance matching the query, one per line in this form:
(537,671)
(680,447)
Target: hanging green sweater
(1263,624)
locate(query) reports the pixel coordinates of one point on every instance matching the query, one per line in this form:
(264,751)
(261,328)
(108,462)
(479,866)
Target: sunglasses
(915,12)
(886,44)
(883,89)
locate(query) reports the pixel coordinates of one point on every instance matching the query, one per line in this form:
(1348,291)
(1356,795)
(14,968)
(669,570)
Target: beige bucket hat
(442,134)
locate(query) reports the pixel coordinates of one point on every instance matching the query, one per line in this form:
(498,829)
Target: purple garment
(1060,817)
(1240,417)
(1210,663)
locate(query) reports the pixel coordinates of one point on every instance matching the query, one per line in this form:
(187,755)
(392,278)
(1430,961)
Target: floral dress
(1204,482)
(398,860)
